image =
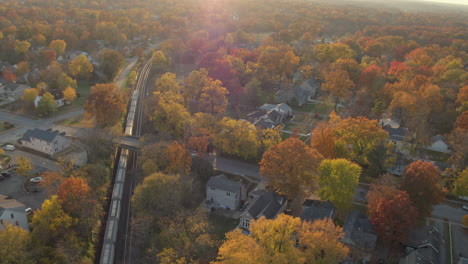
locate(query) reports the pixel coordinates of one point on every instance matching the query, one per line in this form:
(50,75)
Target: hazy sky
(460,2)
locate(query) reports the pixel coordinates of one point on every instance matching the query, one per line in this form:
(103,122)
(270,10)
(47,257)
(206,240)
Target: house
(270,116)
(399,138)
(360,235)
(12,91)
(222,192)
(315,210)
(45,141)
(306,91)
(423,246)
(265,204)
(399,166)
(58,97)
(12,212)
(438,144)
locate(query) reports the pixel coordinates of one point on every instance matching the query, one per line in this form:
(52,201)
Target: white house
(222,192)
(265,203)
(438,144)
(58,97)
(45,141)
(12,212)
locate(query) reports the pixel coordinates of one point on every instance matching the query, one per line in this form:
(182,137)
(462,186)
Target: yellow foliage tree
(69,94)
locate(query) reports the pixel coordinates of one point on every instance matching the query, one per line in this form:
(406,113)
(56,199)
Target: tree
(357,137)
(131,78)
(384,188)
(22,47)
(422,182)
(332,52)
(269,138)
(15,245)
(23,68)
(46,105)
(80,67)
(465,220)
(337,181)
(106,103)
(323,139)
(168,83)
(58,46)
(461,183)
(169,114)
(213,98)
(338,83)
(291,167)
(111,61)
(194,84)
(69,94)
(158,195)
(284,240)
(74,195)
(51,180)
(380,158)
(24,166)
(237,137)
(65,81)
(394,217)
(29,96)
(179,159)
(160,62)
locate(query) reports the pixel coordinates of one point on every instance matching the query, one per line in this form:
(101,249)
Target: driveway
(13,187)
(36,161)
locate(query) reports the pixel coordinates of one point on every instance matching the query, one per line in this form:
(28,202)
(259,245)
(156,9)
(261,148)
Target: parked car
(36,179)
(9,147)
(1,178)
(6,174)
(28,211)
(465,207)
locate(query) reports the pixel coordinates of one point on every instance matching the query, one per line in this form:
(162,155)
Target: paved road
(124,73)
(24,123)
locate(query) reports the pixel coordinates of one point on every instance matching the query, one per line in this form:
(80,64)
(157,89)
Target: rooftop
(222,182)
(314,210)
(45,135)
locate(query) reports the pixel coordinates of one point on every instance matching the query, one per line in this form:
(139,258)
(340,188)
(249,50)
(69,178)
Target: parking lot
(13,186)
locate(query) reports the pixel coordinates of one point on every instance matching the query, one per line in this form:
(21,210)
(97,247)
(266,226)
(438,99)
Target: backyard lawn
(222,224)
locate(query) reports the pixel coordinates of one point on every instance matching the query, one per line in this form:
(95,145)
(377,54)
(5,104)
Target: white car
(9,147)
(28,210)
(465,207)
(36,179)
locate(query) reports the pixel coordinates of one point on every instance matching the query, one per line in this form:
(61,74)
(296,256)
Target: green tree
(168,83)
(169,114)
(131,78)
(65,81)
(22,47)
(158,195)
(237,137)
(160,62)
(15,245)
(338,180)
(461,183)
(81,68)
(46,105)
(111,61)
(58,46)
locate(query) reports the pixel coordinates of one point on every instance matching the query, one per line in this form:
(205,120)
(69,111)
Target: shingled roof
(222,182)
(268,205)
(45,135)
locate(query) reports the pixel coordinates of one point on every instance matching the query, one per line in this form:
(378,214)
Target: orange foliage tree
(338,83)
(291,167)
(74,195)
(323,139)
(179,159)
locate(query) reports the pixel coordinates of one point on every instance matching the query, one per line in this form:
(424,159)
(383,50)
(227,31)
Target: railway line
(116,247)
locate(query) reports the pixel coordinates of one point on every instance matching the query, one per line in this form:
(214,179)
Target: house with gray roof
(270,116)
(45,141)
(423,246)
(12,212)
(316,210)
(12,91)
(360,235)
(438,144)
(306,91)
(267,204)
(222,192)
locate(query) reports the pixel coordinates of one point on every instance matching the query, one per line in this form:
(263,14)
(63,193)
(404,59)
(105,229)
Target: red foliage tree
(394,217)
(74,195)
(422,182)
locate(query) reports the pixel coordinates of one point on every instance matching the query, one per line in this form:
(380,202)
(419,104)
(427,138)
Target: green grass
(437,156)
(222,225)
(83,89)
